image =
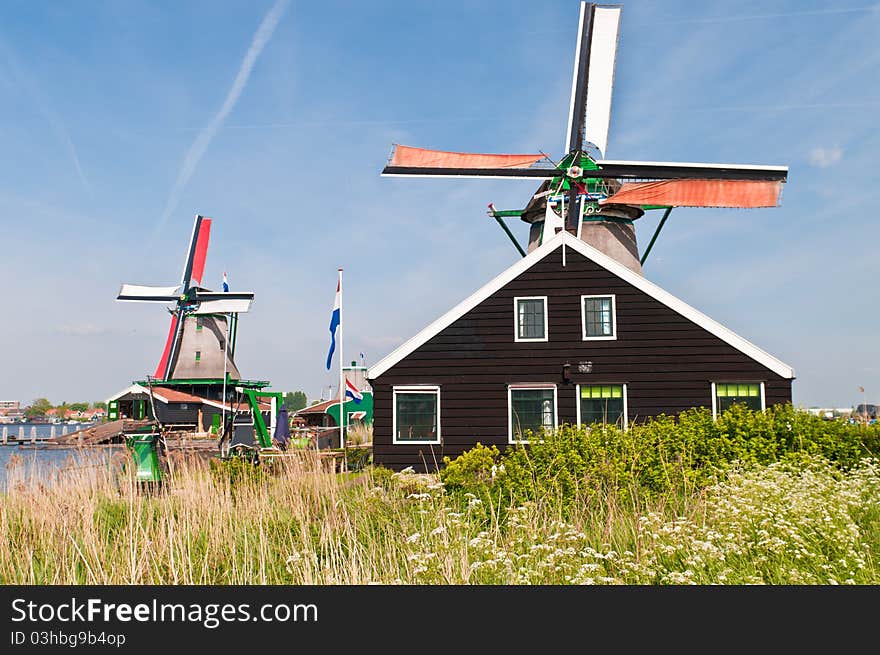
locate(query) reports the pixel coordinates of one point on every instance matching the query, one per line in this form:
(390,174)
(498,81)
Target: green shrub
(660,456)
(473,471)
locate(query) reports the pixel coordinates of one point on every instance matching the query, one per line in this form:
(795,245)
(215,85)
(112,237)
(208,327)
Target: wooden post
(5,435)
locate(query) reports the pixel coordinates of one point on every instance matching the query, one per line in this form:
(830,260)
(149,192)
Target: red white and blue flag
(334,321)
(225,282)
(353,392)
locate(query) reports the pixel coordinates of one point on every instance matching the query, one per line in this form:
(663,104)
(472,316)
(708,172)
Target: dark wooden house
(565,335)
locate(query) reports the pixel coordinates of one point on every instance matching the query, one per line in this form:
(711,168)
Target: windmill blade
(422,162)
(593,78)
(201,296)
(194,267)
(141,293)
(698,193)
(574,135)
(230,306)
(166,352)
(672,170)
(603,56)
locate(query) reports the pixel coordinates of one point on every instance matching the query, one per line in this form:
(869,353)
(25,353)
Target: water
(43,430)
(49,464)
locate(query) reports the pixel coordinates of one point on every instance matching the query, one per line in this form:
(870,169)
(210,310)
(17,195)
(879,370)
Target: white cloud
(825,157)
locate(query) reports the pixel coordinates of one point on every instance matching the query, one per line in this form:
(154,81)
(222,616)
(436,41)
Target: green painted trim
(262,433)
(253,384)
(656,234)
(508,213)
(510,236)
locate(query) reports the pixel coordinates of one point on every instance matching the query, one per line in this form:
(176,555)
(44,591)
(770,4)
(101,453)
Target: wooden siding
(667,361)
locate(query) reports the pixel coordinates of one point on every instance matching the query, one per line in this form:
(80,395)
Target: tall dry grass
(303,525)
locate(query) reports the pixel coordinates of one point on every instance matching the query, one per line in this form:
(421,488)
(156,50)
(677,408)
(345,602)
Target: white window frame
(715,398)
(424,389)
(529,387)
(598,384)
(613,335)
(516,336)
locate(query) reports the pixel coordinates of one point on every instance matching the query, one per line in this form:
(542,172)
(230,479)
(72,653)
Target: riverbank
(298,524)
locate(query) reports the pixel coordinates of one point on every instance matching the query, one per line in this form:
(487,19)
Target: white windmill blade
(143,293)
(231,306)
(593,77)
(603,55)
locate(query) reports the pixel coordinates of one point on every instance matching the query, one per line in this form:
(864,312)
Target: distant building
(14,405)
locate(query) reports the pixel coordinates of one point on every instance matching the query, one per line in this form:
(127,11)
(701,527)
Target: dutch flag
(334,322)
(352,391)
(225,282)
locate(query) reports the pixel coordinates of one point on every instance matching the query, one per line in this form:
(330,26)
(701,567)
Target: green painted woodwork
(251,384)
(602,391)
(739,389)
(366,405)
(145,456)
(215,424)
(113,410)
(262,434)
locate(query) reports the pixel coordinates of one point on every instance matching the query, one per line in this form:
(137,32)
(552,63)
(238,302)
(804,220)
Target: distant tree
(99,404)
(79,407)
(62,409)
(37,408)
(295,400)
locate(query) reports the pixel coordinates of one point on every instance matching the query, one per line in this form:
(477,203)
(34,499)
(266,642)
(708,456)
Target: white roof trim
(137,388)
(602,162)
(606,262)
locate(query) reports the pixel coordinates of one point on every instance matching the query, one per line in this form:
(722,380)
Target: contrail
(203,140)
(25,81)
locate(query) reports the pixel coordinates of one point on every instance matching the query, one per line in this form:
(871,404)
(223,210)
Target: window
(416,416)
(598,317)
(198,355)
(725,394)
(530,318)
(602,403)
(531,409)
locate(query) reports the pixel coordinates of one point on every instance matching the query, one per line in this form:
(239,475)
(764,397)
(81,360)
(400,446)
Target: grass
(779,524)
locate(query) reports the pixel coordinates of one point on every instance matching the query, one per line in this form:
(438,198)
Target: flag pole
(341,380)
(225,359)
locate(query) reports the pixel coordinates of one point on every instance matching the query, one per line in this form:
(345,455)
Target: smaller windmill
(594,198)
(197,346)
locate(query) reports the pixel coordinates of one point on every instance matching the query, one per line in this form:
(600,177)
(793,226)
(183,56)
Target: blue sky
(120,121)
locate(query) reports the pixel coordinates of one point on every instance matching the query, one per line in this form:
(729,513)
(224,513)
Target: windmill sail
(603,54)
(198,330)
(596,198)
(141,293)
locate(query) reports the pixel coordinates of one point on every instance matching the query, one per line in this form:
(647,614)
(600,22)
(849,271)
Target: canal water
(23,463)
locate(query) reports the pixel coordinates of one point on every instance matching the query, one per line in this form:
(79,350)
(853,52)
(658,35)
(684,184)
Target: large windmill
(595,198)
(198,346)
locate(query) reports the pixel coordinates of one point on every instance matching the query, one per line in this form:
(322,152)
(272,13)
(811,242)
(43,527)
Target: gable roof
(564,239)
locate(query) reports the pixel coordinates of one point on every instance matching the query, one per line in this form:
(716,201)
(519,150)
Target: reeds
(295,523)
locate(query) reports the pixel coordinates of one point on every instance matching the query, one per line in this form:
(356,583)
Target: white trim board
(612,266)
(690,164)
(136,388)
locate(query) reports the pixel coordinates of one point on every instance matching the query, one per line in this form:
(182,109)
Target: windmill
(198,343)
(595,198)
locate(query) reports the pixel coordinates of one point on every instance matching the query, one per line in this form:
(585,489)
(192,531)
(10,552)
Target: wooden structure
(565,335)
